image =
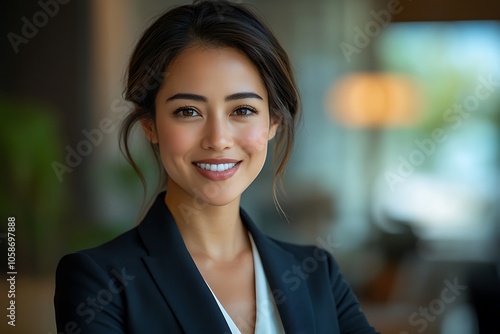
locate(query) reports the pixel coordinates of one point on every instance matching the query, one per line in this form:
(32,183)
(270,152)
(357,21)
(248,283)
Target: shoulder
(314,265)
(90,285)
(101,268)
(307,253)
(122,250)
(300,251)
(316,268)
(279,250)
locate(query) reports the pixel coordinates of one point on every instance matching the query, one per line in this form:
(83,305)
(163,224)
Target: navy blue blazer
(145,281)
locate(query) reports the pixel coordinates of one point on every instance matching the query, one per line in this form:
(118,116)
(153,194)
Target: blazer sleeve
(87,300)
(350,316)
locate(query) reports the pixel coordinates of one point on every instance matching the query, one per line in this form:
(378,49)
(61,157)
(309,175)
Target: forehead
(205,70)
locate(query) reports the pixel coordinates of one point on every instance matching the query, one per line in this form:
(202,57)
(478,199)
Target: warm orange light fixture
(374,100)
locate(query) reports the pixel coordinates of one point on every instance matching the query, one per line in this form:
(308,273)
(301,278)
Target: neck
(212,232)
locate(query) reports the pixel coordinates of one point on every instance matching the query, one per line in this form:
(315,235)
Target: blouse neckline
(267,320)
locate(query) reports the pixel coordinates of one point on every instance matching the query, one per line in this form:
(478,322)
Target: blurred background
(396,168)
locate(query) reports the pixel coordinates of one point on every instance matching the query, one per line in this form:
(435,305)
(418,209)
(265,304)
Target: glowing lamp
(374,100)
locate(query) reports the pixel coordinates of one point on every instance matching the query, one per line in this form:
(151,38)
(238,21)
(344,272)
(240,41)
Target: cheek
(255,139)
(174,141)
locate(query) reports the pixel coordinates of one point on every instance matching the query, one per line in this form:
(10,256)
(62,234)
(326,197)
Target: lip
(217,176)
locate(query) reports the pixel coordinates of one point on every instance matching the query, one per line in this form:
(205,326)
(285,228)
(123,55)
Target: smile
(217,170)
(216,167)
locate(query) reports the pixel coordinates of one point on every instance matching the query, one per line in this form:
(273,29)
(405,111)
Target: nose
(217,135)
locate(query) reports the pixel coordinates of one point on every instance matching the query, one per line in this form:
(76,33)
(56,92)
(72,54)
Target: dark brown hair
(215,24)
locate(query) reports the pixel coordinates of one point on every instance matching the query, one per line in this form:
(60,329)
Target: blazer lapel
(186,292)
(176,274)
(293,301)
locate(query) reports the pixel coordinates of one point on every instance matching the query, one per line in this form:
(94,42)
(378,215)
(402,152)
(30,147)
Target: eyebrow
(201,98)
(241,96)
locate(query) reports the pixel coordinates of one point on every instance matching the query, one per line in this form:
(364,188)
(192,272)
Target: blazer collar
(293,302)
(176,274)
(185,290)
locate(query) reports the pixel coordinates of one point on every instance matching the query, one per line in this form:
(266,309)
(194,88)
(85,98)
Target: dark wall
(51,65)
(44,75)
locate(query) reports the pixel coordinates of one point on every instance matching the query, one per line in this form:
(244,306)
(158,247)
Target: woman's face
(212,124)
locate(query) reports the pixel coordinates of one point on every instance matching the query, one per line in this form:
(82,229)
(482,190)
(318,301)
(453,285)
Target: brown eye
(186,112)
(244,111)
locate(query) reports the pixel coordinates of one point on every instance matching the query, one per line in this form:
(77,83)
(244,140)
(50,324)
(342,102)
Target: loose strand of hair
(124,135)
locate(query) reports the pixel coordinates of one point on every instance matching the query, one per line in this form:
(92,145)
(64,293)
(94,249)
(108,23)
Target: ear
(150,130)
(273,128)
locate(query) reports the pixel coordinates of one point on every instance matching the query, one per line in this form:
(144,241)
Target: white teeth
(216,167)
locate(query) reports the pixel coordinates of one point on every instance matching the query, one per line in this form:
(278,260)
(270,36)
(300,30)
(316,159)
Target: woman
(197,263)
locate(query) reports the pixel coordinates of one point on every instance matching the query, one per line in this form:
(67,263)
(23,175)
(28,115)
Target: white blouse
(268,320)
